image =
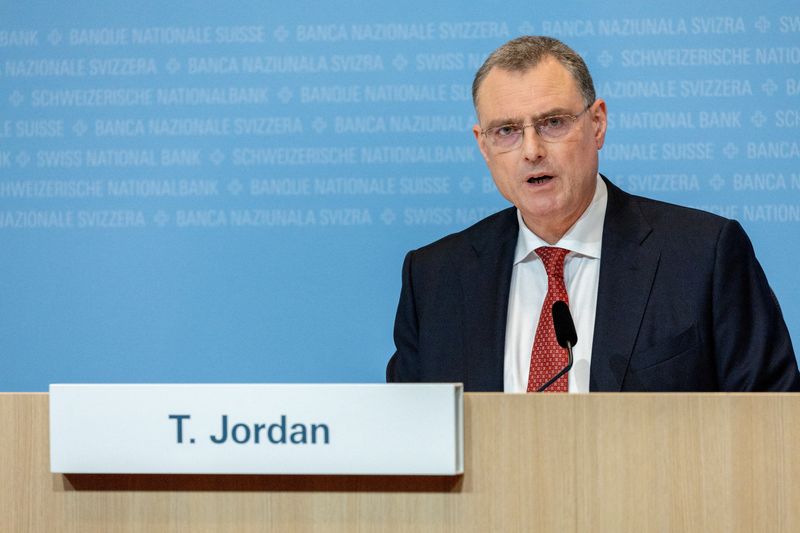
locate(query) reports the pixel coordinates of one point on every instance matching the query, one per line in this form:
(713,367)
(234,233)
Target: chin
(543,208)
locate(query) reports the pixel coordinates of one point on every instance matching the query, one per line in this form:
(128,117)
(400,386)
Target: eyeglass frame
(573,118)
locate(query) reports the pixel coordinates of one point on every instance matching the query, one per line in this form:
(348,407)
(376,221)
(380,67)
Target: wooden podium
(577,463)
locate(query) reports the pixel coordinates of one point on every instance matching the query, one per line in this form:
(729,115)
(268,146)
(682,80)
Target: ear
(599,121)
(481,140)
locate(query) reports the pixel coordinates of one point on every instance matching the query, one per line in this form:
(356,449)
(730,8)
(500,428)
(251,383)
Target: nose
(533,147)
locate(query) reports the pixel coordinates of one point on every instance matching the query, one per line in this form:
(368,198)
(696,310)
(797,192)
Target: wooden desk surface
(582,463)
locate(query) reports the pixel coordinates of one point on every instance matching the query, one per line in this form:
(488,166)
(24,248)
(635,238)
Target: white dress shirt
(529,288)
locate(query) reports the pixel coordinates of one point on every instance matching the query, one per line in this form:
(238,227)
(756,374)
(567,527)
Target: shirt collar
(584,237)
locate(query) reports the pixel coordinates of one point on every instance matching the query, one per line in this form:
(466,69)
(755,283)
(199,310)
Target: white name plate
(397,429)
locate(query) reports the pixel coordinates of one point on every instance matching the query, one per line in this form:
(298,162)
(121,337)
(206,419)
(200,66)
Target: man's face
(551,183)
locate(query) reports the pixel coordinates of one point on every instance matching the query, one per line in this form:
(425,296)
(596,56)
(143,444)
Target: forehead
(519,94)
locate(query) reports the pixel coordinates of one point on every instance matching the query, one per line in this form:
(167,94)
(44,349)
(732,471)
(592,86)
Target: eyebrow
(516,120)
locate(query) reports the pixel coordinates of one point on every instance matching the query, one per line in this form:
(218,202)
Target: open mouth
(540,179)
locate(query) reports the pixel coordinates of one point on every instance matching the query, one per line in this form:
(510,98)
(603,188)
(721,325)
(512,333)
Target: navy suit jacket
(682,305)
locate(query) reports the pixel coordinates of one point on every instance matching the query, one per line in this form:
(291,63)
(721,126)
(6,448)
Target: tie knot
(553,259)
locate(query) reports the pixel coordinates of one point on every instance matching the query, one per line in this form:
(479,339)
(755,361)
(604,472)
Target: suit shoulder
(680,230)
(678,218)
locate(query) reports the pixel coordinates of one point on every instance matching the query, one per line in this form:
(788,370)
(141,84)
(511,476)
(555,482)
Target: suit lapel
(486,281)
(628,265)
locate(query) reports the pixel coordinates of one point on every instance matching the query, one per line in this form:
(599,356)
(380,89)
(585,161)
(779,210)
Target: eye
(506,130)
(556,121)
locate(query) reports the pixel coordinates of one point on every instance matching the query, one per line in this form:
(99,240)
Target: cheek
(504,184)
(502,172)
(582,159)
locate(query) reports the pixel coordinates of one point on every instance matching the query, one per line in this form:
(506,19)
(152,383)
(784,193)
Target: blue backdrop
(210,192)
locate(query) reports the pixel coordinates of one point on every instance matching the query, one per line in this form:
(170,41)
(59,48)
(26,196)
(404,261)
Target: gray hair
(523,53)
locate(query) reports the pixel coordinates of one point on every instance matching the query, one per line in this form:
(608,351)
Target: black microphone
(565,328)
(566,336)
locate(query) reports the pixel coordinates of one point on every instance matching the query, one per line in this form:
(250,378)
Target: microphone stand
(561,373)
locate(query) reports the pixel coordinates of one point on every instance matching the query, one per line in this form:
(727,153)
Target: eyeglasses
(553,128)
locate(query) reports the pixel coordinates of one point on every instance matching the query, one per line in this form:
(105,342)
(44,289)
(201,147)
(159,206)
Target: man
(664,298)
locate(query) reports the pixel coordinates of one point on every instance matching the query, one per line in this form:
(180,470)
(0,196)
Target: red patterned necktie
(547,357)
